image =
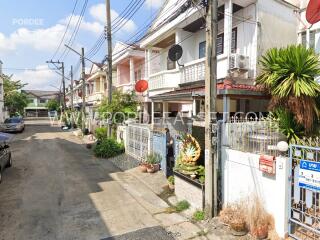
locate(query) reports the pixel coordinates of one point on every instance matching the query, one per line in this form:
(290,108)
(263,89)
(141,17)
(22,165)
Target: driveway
(56,189)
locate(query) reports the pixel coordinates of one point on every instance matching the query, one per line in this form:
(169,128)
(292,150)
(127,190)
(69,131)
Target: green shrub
(202,179)
(171,180)
(108,148)
(182,205)
(101,133)
(198,216)
(153,158)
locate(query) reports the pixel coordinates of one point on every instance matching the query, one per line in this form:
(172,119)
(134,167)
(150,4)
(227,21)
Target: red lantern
(141,86)
(313,12)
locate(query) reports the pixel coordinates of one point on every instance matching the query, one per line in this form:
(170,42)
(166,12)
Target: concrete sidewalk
(145,188)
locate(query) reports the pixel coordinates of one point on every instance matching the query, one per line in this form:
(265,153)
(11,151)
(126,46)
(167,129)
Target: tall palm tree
(288,74)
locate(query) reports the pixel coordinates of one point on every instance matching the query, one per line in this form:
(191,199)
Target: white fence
(241,178)
(138,141)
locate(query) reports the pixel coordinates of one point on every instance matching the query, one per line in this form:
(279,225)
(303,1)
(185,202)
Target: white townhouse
(246,29)
(95,89)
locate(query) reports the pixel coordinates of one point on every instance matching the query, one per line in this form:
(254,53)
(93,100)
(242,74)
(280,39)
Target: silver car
(5,159)
(14,124)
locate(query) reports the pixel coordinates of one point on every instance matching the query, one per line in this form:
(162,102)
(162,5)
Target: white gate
(138,144)
(304,200)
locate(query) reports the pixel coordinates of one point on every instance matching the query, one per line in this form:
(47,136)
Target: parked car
(5,158)
(14,124)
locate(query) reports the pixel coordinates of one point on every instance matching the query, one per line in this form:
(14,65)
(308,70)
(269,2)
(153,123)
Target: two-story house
(128,66)
(37,101)
(246,29)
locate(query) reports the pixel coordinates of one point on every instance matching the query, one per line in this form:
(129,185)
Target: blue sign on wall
(309,175)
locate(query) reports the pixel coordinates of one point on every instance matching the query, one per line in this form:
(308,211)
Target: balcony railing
(164,79)
(98,96)
(193,71)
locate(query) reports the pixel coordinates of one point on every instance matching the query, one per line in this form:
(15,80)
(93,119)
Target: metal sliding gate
(304,199)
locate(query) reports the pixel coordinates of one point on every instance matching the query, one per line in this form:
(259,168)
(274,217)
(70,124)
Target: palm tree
(288,74)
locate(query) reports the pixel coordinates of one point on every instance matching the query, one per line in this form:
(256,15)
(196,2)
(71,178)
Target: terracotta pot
(238,226)
(171,186)
(143,167)
(150,169)
(260,232)
(156,167)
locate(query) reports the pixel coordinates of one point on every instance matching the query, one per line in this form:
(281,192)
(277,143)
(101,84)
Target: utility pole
(63,87)
(71,88)
(211,162)
(109,68)
(83,90)
(63,80)
(71,96)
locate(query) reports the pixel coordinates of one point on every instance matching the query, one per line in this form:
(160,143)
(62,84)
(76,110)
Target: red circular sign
(313,11)
(141,86)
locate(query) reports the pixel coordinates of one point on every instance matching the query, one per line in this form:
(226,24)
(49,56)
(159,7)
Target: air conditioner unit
(239,62)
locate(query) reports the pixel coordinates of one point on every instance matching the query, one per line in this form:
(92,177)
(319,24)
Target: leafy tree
(14,99)
(289,75)
(121,106)
(53,105)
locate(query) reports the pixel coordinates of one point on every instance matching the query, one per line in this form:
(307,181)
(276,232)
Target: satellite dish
(313,12)
(175,53)
(141,86)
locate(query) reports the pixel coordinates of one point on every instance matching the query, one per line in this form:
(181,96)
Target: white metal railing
(193,71)
(164,79)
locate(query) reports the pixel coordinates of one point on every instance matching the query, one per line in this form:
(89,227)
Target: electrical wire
(75,32)
(65,32)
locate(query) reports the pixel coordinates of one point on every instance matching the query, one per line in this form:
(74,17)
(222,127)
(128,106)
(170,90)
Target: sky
(30,33)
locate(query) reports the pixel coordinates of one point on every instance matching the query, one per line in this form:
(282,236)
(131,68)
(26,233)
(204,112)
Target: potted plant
(171,182)
(234,215)
(143,166)
(259,220)
(150,168)
(153,160)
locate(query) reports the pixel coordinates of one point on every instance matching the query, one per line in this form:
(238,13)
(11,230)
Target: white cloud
(40,79)
(95,27)
(98,12)
(154,3)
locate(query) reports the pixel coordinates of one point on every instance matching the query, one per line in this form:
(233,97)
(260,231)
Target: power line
(67,28)
(124,17)
(75,32)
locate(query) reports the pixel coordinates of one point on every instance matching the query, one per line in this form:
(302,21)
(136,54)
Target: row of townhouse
(246,29)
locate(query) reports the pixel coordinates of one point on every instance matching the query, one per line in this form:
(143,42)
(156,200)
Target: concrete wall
(241,178)
(186,191)
(278,25)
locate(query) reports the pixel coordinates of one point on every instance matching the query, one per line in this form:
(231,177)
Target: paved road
(56,189)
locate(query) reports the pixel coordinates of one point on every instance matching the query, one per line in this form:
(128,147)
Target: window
(220,42)
(43,100)
(202,49)
(312,39)
(170,64)
(304,39)
(234,40)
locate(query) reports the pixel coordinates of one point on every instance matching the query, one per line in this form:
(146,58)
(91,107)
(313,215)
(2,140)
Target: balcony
(193,71)
(164,79)
(94,97)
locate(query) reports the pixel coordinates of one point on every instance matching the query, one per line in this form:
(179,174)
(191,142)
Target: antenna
(175,53)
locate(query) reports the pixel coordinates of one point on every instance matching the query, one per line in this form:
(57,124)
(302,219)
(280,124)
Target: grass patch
(179,207)
(198,215)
